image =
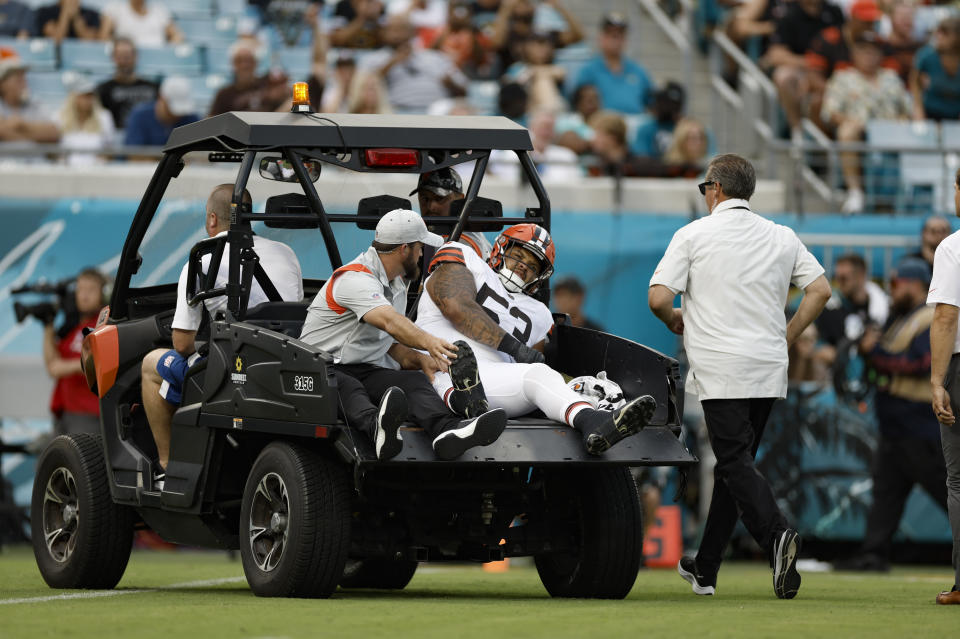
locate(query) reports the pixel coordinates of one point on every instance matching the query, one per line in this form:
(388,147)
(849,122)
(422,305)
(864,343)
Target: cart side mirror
(279,169)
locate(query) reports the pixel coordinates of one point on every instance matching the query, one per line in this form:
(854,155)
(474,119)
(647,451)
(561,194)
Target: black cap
(673,93)
(614,19)
(913,268)
(443,182)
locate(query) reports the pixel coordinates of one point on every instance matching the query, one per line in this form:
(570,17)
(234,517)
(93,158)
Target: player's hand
(441,351)
(527,355)
(941,405)
(676,322)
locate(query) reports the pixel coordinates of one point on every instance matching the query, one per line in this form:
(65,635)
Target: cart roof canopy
(241,131)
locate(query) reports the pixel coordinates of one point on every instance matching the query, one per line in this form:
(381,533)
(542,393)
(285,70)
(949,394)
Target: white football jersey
(520,315)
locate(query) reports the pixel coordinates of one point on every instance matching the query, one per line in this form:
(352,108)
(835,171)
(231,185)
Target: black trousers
(424,406)
(898,464)
(735,427)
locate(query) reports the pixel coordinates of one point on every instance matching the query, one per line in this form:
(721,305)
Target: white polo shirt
(945,283)
(279,262)
(334,319)
(734,270)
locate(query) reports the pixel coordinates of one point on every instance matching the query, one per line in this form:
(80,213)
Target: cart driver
(436,191)
(163,370)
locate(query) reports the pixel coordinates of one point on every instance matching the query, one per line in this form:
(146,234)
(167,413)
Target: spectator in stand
(568,297)
(830,51)
(791,39)
(655,130)
(554,163)
(688,153)
(609,146)
(86,127)
(337,92)
(75,409)
(277,87)
(356,24)
(248,91)
(367,94)
(512,102)
(572,130)
(464,43)
(147,25)
(908,447)
(935,81)
(936,229)
(542,78)
(22,119)
(902,44)
(485,13)
(67,19)
(16,20)
(150,123)
(513,26)
(623,84)
(855,304)
(857,95)
(415,78)
(756,19)
(125,89)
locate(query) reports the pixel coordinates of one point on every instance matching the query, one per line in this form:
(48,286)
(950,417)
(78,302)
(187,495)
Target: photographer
(75,408)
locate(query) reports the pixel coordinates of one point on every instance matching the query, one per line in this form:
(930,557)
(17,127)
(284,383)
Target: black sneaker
(610,428)
(786,579)
(866,562)
(391,413)
(158,478)
(687,567)
(480,431)
(467,398)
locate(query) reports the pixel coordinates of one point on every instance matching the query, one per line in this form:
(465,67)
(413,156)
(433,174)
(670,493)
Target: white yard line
(93,594)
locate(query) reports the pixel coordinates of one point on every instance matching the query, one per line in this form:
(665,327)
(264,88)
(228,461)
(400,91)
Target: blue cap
(913,268)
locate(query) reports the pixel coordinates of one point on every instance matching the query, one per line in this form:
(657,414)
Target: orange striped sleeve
(446,254)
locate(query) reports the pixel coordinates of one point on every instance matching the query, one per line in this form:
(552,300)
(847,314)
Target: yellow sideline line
(93,594)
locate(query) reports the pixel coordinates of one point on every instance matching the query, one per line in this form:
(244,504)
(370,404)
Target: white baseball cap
(175,90)
(402,226)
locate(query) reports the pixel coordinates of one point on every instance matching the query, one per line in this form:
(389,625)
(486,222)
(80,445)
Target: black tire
(294,523)
(599,510)
(385,574)
(81,539)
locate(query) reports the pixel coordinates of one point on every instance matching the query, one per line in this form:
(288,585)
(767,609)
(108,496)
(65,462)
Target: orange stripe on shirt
(331,302)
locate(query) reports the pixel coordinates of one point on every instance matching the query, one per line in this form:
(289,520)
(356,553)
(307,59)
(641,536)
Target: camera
(47,310)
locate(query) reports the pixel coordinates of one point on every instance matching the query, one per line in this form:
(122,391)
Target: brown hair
(612,124)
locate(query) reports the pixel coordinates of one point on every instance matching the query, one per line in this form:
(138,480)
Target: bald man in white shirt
(734,269)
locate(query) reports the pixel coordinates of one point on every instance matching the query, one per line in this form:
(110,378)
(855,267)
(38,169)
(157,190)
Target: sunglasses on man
(703,186)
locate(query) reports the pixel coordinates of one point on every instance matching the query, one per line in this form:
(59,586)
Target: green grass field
(183,595)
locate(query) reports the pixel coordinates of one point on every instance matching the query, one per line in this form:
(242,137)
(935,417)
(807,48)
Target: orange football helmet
(535,239)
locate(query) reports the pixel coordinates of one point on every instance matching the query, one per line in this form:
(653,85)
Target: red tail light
(391,157)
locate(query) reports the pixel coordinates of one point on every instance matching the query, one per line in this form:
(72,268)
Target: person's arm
(660,300)
(173,33)
(815,297)
(779,55)
(500,28)
(452,289)
(57,366)
(319,44)
(411,360)
(387,319)
(574,31)
(943,333)
(746,20)
(917,93)
(40,131)
(184,341)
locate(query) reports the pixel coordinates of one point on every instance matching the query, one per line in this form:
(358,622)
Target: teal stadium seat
(209,30)
(86,56)
(176,59)
(232,7)
(189,8)
(204,88)
(39,53)
(902,179)
(296,61)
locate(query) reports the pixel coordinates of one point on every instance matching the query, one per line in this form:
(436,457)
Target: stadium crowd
(153,66)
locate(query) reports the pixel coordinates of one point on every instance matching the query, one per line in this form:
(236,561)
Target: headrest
(378,206)
(291,204)
(482,207)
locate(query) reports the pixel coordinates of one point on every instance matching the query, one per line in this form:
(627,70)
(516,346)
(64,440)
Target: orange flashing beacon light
(301,98)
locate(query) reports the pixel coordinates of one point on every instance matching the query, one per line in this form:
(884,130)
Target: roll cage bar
(242,260)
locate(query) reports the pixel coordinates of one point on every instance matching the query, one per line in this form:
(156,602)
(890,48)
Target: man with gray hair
(733,269)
